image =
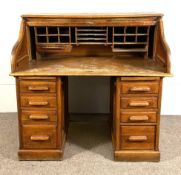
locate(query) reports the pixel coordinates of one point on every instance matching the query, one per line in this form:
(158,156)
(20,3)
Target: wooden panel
(60,112)
(38,101)
(158,116)
(137,137)
(40,154)
(138,117)
(39,136)
(19,111)
(37,78)
(140,87)
(137,155)
(38,116)
(139,102)
(137,78)
(162,50)
(37,86)
(20,56)
(98,22)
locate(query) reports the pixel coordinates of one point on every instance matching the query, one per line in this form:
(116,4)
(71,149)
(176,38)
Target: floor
(89,151)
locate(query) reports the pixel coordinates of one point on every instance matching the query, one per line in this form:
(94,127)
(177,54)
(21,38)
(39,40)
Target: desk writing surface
(92,66)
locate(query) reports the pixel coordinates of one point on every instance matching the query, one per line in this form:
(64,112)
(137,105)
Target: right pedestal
(136,118)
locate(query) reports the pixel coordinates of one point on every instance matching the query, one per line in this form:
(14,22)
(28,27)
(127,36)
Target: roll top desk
(128,48)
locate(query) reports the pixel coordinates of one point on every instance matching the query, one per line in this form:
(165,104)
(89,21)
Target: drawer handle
(55,47)
(38,88)
(139,103)
(90,22)
(38,117)
(137,138)
(139,118)
(38,103)
(39,138)
(140,89)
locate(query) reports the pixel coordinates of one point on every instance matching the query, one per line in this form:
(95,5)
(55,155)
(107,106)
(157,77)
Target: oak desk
(128,48)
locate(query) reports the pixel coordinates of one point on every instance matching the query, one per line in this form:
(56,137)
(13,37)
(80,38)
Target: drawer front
(140,87)
(137,137)
(37,86)
(138,117)
(36,116)
(53,47)
(139,102)
(39,136)
(38,101)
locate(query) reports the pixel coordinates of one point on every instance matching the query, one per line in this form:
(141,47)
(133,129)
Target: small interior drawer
(137,137)
(140,87)
(36,116)
(39,136)
(139,102)
(37,86)
(53,47)
(38,101)
(138,117)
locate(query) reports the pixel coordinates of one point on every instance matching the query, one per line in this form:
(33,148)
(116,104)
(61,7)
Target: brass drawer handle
(39,138)
(38,103)
(140,89)
(38,117)
(38,88)
(137,138)
(139,118)
(139,103)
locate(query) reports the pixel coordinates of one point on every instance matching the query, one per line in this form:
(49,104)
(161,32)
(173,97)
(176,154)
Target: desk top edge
(22,74)
(92,15)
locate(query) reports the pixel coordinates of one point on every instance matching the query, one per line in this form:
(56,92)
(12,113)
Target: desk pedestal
(43,117)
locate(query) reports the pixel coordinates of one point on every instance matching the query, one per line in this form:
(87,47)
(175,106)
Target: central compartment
(88,96)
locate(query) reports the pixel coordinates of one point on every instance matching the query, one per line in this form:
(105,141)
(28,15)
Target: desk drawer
(140,87)
(36,116)
(39,136)
(53,47)
(139,102)
(39,101)
(37,86)
(138,117)
(137,137)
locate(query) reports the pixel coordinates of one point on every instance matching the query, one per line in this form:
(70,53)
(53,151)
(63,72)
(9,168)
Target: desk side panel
(19,55)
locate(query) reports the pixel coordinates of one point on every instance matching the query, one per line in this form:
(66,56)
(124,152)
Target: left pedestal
(41,117)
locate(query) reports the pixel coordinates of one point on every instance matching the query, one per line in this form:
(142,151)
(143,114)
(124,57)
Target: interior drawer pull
(56,47)
(139,118)
(38,88)
(139,103)
(90,22)
(38,103)
(38,117)
(39,137)
(140,89)
(137,138)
